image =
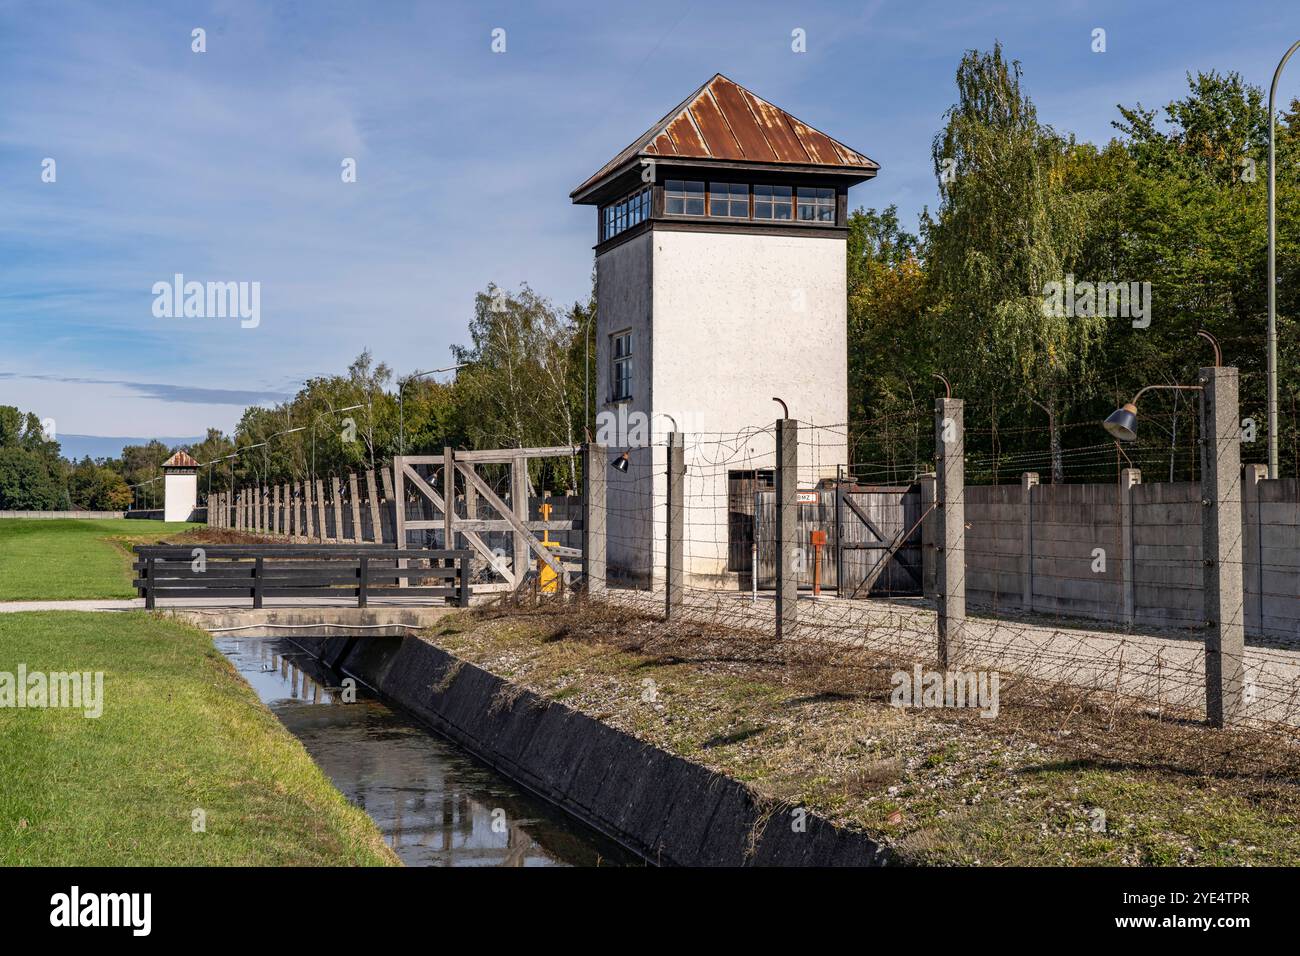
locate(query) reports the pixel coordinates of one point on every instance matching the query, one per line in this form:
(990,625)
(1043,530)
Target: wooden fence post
(387,475)
(396,494)
(519,504)
(338,508)
(462,580)
(307,508)
(355,500)
(372,493)
(448,499)
(320,509)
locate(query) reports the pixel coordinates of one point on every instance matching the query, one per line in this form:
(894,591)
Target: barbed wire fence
(1155,621)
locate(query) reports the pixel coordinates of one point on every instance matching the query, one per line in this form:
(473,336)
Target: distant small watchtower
(720,282)
(180,487)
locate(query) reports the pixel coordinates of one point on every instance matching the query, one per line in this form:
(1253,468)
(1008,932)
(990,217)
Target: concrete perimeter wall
(1036,548)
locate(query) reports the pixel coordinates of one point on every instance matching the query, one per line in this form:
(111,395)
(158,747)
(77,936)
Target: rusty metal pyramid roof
(724,121)
(180,460)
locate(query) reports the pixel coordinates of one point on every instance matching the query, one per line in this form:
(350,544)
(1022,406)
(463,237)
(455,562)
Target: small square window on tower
(816,204)
(773,202)
(684,197)
(730,200)
(620,368)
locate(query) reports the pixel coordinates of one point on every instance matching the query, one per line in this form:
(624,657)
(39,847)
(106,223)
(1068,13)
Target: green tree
(889,366)
(1007,225)
(26,484)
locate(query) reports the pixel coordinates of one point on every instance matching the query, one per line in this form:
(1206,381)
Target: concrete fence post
(1129,478)
(675,550)
(595,481)
(1225,640)
(1028,482)
(239,511)
(787,526)
(950,500)
(928,519)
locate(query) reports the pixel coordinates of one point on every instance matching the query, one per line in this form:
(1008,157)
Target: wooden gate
(873,538)
(466,508)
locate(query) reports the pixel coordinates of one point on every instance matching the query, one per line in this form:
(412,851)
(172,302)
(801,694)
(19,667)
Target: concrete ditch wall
(669,810)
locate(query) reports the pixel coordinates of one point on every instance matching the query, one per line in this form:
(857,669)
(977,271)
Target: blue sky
(225,165)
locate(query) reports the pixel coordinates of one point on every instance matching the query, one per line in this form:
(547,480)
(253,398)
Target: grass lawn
(934,786)
(179,731)
(65,559)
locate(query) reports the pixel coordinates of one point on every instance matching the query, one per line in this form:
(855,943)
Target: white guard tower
(720,283)
(180,487)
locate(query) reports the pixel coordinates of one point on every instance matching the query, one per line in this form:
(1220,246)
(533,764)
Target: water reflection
(436,805)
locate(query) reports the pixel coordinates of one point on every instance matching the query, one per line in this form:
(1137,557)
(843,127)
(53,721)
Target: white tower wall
(721,323)
(180,496)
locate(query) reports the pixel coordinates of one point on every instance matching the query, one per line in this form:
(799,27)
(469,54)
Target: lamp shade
(620,463)
(1122,424)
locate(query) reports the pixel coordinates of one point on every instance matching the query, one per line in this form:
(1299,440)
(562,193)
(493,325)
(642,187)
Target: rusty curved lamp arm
(1177,388)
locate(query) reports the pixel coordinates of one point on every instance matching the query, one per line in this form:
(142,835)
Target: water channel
(436,804)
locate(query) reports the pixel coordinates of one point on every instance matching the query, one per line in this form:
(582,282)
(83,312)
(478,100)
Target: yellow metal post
(548,582)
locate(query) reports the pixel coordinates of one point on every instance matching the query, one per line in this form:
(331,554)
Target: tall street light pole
(401,395)
(1272,271)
